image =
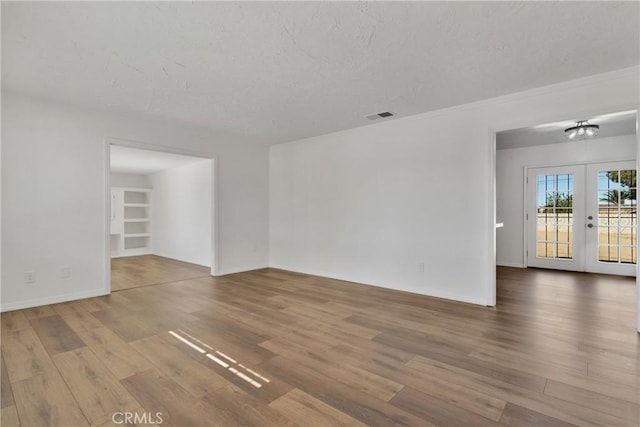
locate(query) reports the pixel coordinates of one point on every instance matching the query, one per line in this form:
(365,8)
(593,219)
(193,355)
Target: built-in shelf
(130,228)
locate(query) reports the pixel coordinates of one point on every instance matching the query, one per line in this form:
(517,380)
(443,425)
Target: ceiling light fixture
(582,129)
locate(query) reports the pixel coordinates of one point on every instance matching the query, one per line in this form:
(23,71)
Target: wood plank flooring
(276,348)
(144,270)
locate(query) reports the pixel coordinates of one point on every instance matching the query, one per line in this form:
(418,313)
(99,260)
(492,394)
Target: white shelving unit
(130,221)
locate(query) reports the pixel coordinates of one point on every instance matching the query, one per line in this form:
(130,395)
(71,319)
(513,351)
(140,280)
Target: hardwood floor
(144,270)
(275,348)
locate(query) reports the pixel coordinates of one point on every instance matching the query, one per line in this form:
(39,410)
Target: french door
(583,218)
(555,218)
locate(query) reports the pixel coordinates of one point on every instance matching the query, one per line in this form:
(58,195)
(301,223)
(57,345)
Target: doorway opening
(568,204)
(161,211)
(520,149)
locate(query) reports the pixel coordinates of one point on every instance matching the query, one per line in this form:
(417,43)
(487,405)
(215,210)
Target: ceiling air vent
(378,116)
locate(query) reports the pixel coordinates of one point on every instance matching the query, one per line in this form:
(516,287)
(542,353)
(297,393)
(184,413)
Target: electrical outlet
(64,272)
(29,277)
(421,267)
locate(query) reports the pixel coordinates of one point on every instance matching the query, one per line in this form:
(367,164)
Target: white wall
(54,201)
(181,213)
(370,204)
(129,180)
(510,182)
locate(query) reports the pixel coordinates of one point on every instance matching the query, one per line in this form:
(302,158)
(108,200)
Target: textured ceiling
(613,124)
(277,71)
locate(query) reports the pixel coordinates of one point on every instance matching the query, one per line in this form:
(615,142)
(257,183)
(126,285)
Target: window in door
(617,216)
(555,216)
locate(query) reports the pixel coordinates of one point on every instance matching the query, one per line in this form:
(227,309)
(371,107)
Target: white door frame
(491,184)
(108,142)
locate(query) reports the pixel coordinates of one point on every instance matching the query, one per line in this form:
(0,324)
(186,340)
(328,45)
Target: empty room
(319,213)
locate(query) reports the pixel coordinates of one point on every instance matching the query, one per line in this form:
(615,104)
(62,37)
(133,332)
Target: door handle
(589,217)
(590,225)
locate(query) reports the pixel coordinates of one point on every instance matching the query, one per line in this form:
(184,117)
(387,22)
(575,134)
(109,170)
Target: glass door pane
(612,228)
(554,234)
(617,216)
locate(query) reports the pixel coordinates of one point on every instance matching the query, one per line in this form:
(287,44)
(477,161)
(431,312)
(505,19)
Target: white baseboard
(179,259)
(55,299)
(359,281)
(131,252)
(225,271)
(511,264)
